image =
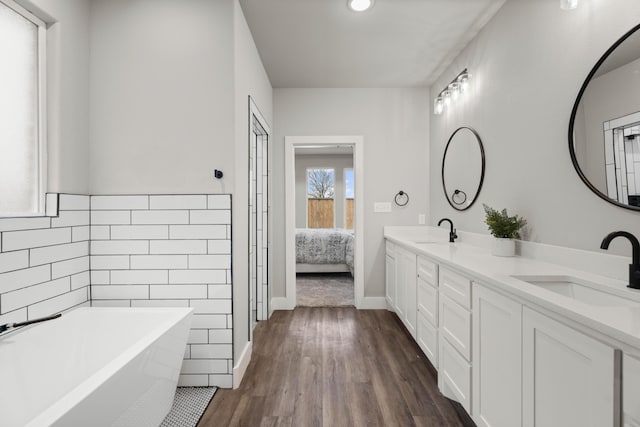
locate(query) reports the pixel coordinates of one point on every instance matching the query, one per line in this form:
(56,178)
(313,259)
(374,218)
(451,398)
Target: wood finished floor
(333,367)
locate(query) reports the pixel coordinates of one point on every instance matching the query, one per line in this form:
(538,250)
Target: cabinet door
(411,294)
(454,375)
(631,391)
(568,377)
(390,281)
(497,359)
(427,338)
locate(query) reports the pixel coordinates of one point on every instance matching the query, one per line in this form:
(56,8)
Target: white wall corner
(373,303)
(281,304)
(241,366)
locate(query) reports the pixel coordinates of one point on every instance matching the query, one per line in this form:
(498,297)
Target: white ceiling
(398,43)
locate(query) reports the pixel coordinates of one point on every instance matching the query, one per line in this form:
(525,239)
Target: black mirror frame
(444,157)
(572,120)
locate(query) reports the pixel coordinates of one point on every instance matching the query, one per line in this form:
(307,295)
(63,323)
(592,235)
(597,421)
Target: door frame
(291,143)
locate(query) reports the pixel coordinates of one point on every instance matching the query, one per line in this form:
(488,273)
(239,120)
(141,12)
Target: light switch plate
(422,219)
(382,207)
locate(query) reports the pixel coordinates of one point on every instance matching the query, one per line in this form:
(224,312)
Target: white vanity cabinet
(568,377)
(630,391)
(497,359)
(427,327)
(454,320)
(390,274)
(406,304)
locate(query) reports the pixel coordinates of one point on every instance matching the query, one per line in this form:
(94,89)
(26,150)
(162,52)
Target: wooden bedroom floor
(320,366)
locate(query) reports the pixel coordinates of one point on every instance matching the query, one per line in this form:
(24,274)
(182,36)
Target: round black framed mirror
(463,164)
(604,129)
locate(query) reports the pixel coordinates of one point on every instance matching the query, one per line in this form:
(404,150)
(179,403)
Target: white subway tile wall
(164,251)
(44,262)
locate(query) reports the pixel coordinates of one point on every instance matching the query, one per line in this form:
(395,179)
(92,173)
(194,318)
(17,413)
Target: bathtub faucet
(8,326)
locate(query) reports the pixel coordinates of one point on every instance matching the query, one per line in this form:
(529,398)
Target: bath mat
(188,406)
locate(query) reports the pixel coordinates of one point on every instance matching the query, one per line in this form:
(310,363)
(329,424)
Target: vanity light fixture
(568,4)
(359,5)
(452,92)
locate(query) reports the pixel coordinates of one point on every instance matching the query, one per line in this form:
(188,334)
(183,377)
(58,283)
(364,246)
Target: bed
(324,250)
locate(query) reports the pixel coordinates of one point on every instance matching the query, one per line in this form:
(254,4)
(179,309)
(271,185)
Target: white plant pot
(503,247)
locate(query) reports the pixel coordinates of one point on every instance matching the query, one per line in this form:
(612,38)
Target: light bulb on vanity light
(446,97)
(463,80)
(568,4)
(438,105)
(454,88)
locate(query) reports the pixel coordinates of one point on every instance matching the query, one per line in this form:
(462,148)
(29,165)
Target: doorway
(319,211)
(259,207)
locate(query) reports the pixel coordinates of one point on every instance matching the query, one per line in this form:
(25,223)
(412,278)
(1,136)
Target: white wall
(336,162)
(67,92)
(161,96)
(250,80)
(394,124)
(528,64)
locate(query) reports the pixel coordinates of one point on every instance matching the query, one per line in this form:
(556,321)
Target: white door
(400,284)
(497,359)
(569,378)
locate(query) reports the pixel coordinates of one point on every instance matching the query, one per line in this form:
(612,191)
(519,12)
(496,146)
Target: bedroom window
(320,198)
(22,76)
(348,198)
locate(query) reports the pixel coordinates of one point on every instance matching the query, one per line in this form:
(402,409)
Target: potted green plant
(504,228)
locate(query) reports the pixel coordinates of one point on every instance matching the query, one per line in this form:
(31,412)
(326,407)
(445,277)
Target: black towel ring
(457,192)
(402,198)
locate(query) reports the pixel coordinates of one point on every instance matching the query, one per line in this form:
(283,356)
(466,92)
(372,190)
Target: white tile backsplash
(14,261)
(128,250)
(26,239)
(15,224)
(111,203)
(179,202)
(198,231)
(41,271)
(139,232)
(178,247)
(159,255)
(160,217)
(47,255)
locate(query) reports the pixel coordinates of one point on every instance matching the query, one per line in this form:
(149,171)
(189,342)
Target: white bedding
(324,246)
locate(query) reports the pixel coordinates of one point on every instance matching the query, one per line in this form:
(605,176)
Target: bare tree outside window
(320,183)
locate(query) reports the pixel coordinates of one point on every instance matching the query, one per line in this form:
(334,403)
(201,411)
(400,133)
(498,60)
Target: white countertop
(618,323)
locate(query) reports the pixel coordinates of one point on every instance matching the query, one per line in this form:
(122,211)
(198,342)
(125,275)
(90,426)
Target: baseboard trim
(281,304)
(240,369)
(373,303)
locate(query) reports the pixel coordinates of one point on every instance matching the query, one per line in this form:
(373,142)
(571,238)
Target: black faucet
(452,233)
(634,267)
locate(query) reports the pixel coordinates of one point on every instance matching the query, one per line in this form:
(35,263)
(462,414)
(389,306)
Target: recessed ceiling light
(359,5)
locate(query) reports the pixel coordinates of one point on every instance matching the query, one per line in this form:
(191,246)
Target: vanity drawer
(428,271)
(455,286)
(428,339)
(455,325)
(428,301)
(454,376)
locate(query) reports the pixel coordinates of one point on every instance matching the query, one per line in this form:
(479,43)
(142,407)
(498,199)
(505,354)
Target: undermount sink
(585,291)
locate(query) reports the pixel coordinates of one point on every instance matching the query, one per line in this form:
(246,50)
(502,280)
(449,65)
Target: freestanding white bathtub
(93,367)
